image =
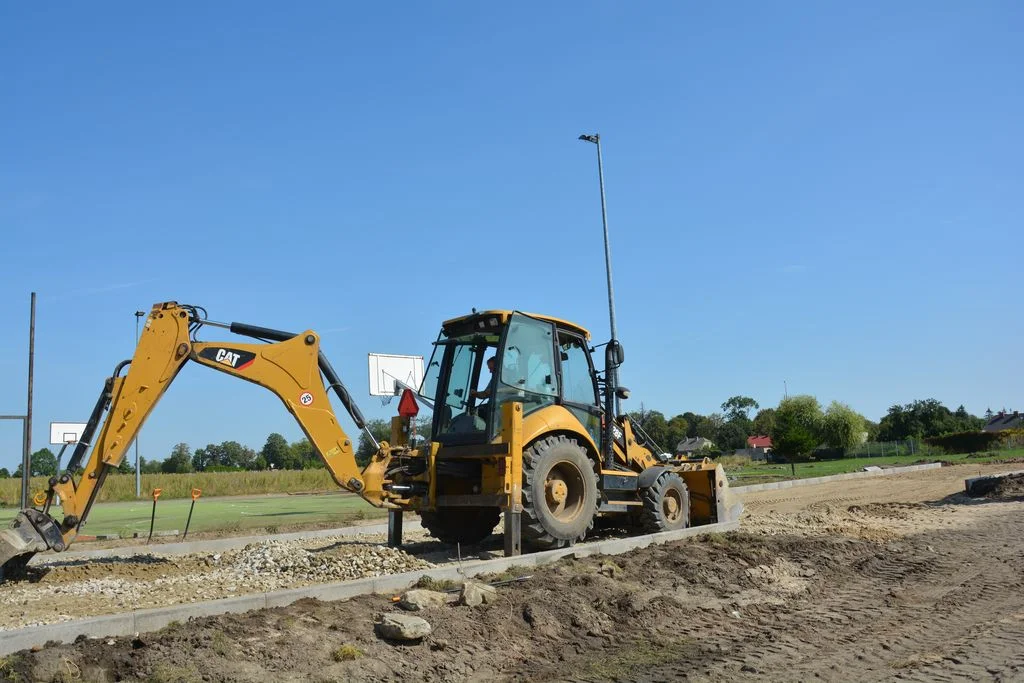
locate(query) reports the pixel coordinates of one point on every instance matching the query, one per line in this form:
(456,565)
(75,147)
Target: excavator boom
(290,365)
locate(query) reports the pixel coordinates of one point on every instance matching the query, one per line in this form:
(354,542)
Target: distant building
(1004,420)
(694,445)
(764,442)
(758,447)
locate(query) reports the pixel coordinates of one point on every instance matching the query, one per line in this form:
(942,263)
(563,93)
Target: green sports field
(756,473)
(225,514)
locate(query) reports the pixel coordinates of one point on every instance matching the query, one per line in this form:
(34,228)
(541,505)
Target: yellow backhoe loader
(535,444)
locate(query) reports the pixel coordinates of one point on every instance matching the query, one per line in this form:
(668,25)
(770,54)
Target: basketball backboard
(65,432)
(390,373)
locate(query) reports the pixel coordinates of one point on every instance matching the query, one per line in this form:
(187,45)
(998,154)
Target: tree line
(797,426)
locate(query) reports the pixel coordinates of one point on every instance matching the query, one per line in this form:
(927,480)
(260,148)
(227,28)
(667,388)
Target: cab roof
(502,317)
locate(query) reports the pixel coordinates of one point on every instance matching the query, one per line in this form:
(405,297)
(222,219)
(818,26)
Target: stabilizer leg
(513,537)
(394,528)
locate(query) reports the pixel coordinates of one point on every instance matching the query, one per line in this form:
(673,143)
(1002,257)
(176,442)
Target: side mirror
(622,392)
(614,354)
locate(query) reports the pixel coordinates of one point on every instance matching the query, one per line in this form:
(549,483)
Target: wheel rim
(672,506)
(564,492)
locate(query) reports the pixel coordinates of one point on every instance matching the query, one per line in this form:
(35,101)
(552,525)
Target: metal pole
(613,371)
(26,457)
(138,469)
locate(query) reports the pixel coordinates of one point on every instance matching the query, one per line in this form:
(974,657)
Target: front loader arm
(292,367)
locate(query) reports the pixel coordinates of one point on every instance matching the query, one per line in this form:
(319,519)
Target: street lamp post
(138,469)
(613,368)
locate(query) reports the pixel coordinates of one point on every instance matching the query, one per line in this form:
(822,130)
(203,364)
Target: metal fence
(886,449)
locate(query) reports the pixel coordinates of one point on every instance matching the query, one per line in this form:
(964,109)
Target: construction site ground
(899,577)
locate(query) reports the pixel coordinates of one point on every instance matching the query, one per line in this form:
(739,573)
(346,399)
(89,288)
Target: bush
(966,442)
(346,653)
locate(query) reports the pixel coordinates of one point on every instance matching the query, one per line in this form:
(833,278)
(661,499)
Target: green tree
(180,460)
(924,419)
(149,466)
(4,473)
(708,426)
(842,427)
(276,454)
(44,464)
(126,466)
(381,430)
(304,453)
(226,455)
(738,407)
(676,431)
(871,430)
(764,421)
(653,424)
(797,427)
(237,455)
(692,419)
(731,436)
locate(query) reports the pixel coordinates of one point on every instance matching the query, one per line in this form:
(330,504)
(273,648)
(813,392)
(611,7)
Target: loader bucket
(711,500)
(29,533)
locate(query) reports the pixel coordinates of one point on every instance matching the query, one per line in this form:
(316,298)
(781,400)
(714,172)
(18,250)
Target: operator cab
(538,361)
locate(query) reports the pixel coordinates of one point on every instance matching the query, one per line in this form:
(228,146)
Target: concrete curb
(980,486)
(812,481)
(142,621)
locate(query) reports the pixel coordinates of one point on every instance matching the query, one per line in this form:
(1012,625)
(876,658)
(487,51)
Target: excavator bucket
(711,500)
(29,533)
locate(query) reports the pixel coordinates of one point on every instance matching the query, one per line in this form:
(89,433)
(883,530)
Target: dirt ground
(886,578)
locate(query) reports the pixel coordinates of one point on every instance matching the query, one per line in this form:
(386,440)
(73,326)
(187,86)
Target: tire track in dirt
(918,610)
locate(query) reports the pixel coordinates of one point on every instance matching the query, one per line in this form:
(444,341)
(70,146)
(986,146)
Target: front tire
(560,494)
(666,504)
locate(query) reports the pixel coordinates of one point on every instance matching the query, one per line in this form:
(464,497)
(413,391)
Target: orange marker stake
(195,496)
(152,518)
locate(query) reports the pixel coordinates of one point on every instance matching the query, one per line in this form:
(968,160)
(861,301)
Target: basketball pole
(26,456)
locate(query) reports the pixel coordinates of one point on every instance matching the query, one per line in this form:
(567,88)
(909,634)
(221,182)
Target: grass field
(224,514)
(754,473)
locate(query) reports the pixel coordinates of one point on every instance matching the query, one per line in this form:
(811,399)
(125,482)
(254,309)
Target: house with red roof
(758,447)
(764,442)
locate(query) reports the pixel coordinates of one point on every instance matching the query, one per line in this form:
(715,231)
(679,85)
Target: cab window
(577,378)
(527,372)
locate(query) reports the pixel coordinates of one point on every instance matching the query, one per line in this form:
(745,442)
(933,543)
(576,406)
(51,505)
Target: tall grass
(122,486)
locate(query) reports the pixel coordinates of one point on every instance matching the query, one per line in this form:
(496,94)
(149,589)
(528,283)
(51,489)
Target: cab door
(527,366)
(579,385)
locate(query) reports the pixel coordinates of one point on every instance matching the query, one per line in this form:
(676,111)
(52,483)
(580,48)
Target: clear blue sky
(827,193)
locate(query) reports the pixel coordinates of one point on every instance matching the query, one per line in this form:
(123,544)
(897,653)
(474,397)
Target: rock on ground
(419,599)
(397,626)
(475,593)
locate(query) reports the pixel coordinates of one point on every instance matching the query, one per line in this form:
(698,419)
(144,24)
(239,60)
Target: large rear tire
(666,504)
(560,494)
(462,525)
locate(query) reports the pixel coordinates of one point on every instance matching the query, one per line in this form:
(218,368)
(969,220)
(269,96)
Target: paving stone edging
(142,621)
(812,481)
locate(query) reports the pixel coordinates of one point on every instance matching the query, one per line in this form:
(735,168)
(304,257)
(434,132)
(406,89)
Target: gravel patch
(59,591)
